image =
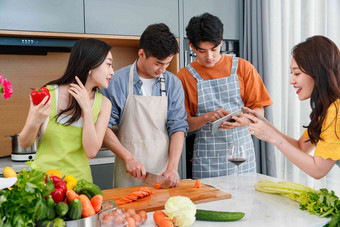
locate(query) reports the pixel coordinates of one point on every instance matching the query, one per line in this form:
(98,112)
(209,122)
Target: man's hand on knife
(136,169)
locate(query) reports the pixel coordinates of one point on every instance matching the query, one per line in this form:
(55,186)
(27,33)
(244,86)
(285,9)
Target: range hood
(34,46)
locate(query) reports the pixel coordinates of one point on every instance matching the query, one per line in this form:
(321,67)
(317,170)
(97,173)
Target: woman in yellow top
(72,123)
(315,69)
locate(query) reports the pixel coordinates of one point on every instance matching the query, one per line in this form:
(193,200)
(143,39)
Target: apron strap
(53,89)
(163,91)
(194,73)
(132,69)
(234,66)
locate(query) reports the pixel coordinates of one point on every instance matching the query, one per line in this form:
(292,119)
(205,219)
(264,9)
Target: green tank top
(61,145)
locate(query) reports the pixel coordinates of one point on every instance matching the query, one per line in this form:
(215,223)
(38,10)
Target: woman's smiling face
(302,82)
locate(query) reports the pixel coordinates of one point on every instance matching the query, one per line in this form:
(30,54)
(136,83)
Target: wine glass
(236,155)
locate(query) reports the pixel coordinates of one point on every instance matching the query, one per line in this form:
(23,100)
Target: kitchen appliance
(34,46)
(157,200)
(21,154)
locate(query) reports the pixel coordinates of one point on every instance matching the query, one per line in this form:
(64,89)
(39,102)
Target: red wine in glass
(236,161)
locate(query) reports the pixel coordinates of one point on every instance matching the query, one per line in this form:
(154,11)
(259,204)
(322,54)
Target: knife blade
(157,179)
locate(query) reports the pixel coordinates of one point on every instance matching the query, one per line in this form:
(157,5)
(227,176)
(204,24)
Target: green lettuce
(24,204)
(321,202)
(181,210)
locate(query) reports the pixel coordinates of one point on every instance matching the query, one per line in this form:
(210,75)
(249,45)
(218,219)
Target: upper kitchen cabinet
(117,17)
(42,15)
(229,12)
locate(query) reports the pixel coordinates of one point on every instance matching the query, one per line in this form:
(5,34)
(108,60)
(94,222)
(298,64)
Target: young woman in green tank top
(71,124)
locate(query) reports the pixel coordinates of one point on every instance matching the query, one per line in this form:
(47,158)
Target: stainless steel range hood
(34,46)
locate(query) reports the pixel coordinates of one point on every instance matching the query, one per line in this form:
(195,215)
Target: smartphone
(228,118)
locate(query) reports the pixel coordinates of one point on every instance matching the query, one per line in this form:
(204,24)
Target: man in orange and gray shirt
(214,86)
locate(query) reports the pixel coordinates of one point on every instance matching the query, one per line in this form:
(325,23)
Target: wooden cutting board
(157,200)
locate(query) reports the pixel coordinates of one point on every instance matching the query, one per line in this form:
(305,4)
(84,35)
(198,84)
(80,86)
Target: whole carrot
(87,206)
(161,219)
(96,202)
(71,195)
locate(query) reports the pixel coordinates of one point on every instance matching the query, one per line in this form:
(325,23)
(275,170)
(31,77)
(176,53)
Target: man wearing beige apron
(148,111)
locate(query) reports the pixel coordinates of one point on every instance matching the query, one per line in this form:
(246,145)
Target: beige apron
(142,131)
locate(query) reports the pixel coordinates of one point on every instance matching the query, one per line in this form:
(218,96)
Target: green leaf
(58,222)
(49,188)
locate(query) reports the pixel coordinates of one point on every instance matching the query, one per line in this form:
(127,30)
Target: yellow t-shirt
(329,147)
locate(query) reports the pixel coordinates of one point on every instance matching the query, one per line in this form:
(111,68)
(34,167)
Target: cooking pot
(17,149)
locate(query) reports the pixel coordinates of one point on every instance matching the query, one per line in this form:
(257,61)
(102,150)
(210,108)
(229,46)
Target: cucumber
(210,215)
(51,214)
(61,208)
(75,209)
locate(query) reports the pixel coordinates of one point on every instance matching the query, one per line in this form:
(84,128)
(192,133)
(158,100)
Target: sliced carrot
(71,195)
(158,186)
(198,183)
(126,200)
(115,195)
(132,197)
(87,206)
(119,202)
(96,202)
(136,194)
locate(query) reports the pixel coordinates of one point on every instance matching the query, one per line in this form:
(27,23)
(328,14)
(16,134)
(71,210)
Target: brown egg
(119,220)
(131,222)
(107,220)
(126,215)
(131,211)
(137,218)
(143,215)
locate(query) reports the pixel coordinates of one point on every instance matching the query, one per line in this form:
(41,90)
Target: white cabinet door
(42,15)
(129,17)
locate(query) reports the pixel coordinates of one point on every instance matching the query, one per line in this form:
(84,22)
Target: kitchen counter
(262,209)
(103,157)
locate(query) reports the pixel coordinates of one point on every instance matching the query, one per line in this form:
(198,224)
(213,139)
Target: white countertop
(261,209)
(103,157)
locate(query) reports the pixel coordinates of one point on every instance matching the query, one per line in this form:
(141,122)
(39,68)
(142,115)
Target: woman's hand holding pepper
(79,92)
(39,113)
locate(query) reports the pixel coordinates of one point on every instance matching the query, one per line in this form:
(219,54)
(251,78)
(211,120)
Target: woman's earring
(90,72)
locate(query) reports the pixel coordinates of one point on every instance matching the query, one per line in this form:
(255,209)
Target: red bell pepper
(60,189)
(38,94)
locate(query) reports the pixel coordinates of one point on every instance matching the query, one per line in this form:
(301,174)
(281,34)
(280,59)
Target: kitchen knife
(157,179)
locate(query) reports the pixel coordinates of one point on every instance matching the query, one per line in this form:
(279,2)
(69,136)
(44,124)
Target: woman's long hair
(319,57)
(86,54)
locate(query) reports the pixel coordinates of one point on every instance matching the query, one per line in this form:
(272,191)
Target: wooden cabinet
(129,17)
(29,71)
(229,12)
(42,15)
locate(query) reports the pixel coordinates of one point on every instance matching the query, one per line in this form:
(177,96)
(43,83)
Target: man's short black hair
(157,41)
(205,27)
